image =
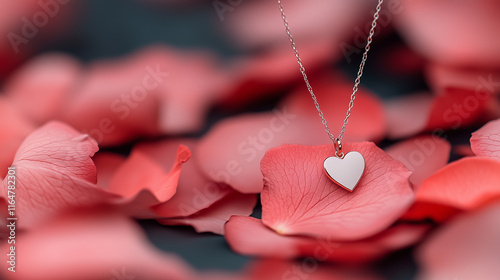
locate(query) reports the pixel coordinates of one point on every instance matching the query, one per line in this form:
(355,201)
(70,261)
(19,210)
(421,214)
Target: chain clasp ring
(338,148)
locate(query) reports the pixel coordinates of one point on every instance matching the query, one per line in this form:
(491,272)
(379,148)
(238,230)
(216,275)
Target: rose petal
(272,269)
(25,30)
(266,74)
(452,109)
(463,185)
(184,103)
(231,152)
(257,23)
(367,122)
(445,77)
(194,191)
(109,246)
(119,101)
(486,141)
(463,150)
(214,217)
(423,156)
(54,171)
(141,182)
(13,130)
(265,242)
(43,86)
(445,37)
(298,198)
(467,248)
(407,115)
(107,164)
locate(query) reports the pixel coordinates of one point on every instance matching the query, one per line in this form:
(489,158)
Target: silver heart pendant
(345,172)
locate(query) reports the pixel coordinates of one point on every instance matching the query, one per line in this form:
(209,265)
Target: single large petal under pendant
(347,171)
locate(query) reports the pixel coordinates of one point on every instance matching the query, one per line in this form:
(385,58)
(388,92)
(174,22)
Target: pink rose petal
(467,248)
(463,185)
(298,198)
(408,115)
(43,86)
(26,27)
(486,141)
(91,244)
(214,217)
(231,152)
(422,155)
(445,77)
(141,182)
(54,171)
(249,236)
(367,122)
(261,75)
(258,23)
(451,109)
(13,129)
(444,36)
(119,101)
(272,269)
(194,191)
(107,164)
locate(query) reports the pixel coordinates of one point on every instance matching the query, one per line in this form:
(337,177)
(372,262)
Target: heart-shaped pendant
(346,171)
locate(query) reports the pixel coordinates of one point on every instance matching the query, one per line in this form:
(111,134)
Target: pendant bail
(338,148)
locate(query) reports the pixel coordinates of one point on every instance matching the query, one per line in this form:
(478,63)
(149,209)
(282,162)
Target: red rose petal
(423,156)
(467,248)
(54,171)
(445,37)
(265,242)
(108,246)
(298,198)
(213,218)
(44,85)
(463,185)
(486,141)
(194,191)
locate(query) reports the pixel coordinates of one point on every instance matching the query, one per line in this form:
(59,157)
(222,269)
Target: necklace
(343,169)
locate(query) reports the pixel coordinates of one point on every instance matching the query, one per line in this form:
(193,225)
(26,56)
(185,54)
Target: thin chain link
(356,82)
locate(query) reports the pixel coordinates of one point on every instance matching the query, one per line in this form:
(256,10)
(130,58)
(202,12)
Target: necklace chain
(337,141)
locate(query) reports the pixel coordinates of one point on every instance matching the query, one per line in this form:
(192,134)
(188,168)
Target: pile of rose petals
(97,146)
